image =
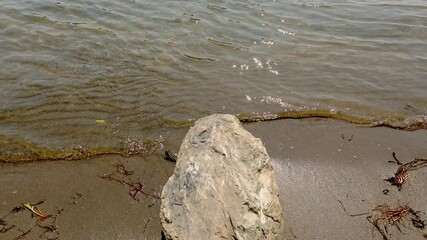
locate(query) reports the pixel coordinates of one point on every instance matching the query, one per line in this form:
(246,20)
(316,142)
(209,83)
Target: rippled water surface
(104,74)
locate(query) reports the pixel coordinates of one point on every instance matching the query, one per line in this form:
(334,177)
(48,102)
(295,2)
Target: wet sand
(317,164)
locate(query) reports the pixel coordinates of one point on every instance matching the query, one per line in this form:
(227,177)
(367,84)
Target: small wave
(17,150)
(20,151)
(215,7)
(414,123)
(227,44)
(197,58)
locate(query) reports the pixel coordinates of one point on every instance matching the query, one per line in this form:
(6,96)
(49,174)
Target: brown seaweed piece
(383,216)
(401,175)
(135,187)
(122,170)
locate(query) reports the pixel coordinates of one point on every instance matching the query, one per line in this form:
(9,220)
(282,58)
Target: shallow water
(112,74)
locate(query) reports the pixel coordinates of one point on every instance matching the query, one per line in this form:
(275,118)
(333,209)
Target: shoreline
(32,152)
(317,162)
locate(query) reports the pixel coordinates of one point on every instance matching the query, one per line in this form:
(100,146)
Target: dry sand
(317,164)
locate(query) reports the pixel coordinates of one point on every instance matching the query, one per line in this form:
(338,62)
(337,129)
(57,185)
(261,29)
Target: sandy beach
(318,164)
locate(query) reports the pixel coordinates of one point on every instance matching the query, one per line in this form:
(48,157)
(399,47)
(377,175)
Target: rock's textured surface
(223,186)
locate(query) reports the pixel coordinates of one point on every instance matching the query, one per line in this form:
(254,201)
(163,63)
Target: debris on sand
(383,216)
(135,187)
(170,157)
(401,175)
(44,223)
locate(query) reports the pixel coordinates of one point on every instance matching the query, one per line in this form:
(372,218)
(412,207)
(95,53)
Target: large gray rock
(223,186)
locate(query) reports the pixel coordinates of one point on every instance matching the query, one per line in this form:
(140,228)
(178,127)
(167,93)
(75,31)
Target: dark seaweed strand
(338,116)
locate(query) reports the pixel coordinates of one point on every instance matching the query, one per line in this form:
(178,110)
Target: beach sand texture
(318,164)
